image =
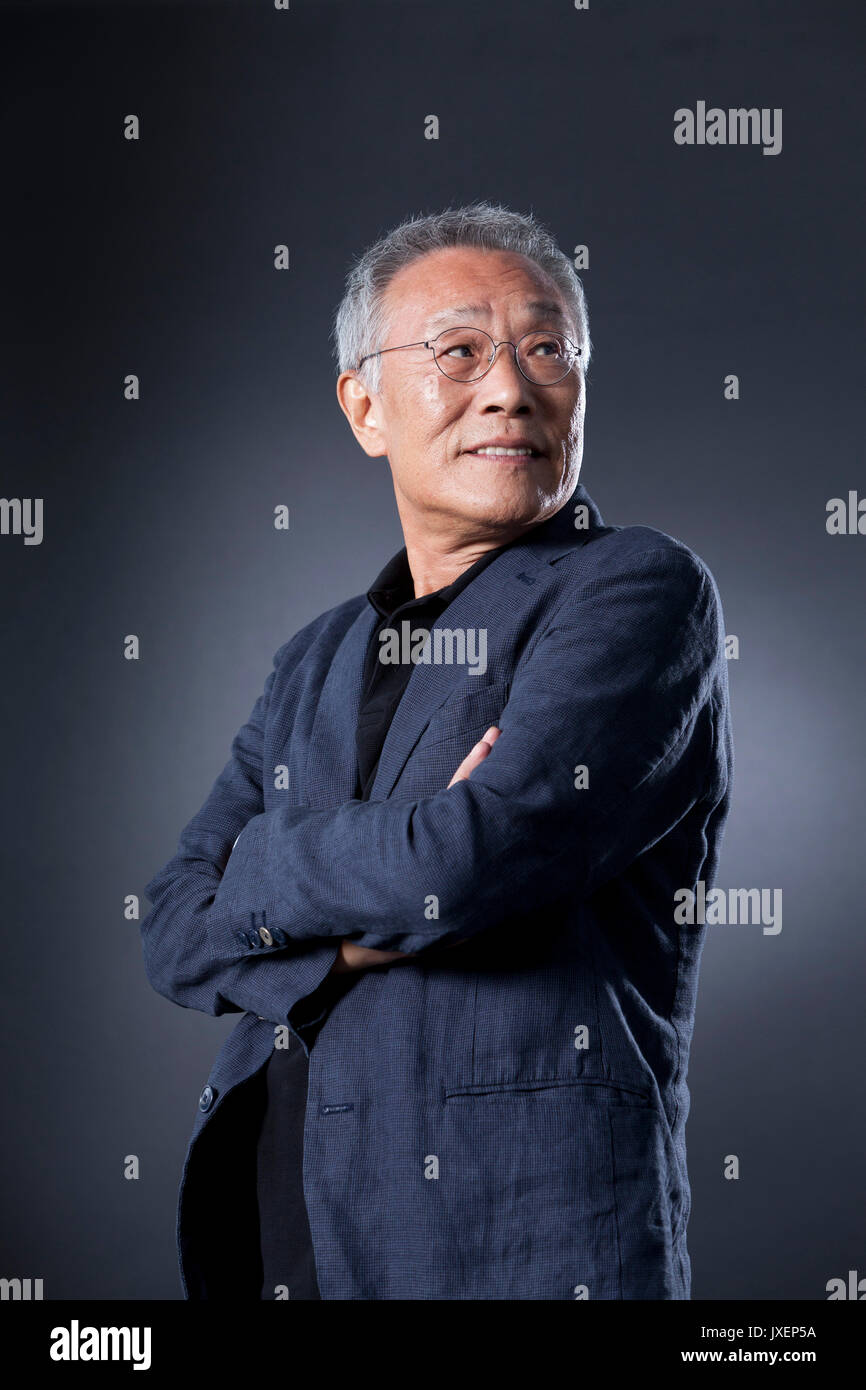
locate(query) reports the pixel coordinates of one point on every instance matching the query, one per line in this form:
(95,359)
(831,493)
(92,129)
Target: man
(442,860)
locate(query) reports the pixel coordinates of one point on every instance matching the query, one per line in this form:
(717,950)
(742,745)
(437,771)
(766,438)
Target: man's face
(429,425)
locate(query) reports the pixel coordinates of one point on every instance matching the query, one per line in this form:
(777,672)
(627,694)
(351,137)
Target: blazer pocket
(588,1086)
(466,713)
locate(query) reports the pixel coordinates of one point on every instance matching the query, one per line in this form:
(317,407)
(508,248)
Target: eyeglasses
(467,354)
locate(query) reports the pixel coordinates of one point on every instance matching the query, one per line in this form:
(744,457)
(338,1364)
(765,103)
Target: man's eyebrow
(460,315)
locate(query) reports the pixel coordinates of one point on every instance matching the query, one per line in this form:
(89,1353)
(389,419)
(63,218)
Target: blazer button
(279,936)
(266,936)
(205,1100)
(253,939)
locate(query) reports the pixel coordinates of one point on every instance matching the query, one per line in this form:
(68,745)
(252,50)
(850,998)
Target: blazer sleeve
(178,960)
(621,681)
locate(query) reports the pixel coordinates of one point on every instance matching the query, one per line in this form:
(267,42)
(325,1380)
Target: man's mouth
(500,451)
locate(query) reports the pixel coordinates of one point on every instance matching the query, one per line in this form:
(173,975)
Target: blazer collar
(493,600)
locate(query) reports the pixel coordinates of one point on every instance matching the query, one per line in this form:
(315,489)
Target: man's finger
(352,957)
(476,755)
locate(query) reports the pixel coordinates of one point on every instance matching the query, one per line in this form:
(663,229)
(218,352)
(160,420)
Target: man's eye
(550,345)
(460,348)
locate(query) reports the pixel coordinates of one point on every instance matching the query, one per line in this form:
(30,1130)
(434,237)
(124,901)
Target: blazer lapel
(492,601)
(332,767)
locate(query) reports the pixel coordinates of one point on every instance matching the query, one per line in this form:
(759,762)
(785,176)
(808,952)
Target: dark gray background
(261,127)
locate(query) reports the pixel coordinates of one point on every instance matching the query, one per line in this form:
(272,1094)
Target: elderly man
(437,874)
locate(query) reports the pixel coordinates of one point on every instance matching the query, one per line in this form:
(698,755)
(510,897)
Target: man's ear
(362,412)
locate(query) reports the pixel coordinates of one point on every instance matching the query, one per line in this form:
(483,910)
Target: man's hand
(476,756)
(352,957)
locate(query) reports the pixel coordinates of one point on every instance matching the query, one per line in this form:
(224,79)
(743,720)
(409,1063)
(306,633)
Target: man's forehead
(475,313)
(435,290)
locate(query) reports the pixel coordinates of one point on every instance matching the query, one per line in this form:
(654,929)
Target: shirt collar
(393,586)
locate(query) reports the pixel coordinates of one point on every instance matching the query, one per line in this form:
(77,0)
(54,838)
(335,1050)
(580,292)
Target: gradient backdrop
(155,257)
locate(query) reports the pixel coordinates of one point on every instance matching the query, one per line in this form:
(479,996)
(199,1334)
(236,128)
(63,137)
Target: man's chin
(526,485)
(516,502)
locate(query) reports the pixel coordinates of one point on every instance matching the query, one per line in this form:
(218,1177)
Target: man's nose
(504,378)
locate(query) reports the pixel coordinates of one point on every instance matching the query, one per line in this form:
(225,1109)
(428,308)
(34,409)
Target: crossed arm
(620,681)
(352,957)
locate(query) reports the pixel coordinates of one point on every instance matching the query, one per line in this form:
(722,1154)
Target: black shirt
(286,1248)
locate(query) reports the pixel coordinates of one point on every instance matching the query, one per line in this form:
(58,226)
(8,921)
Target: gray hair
(360,324)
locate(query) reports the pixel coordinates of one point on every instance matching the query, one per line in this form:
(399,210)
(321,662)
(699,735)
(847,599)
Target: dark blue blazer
(505,1119)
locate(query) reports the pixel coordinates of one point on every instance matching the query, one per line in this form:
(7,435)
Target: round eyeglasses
(467,354)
